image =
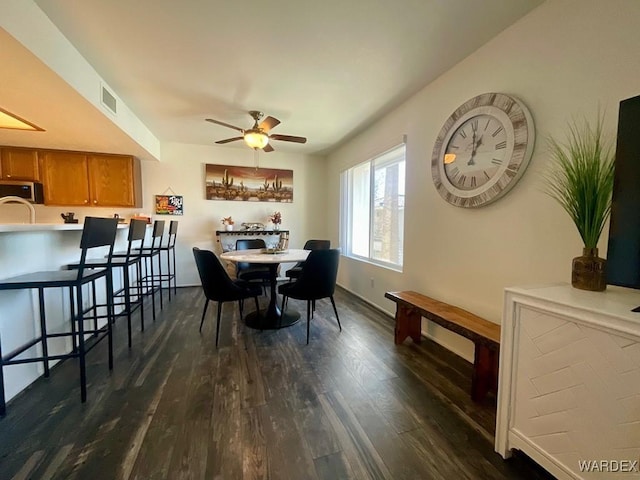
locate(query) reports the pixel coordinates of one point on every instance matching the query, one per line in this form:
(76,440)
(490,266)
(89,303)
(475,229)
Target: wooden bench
(412,306)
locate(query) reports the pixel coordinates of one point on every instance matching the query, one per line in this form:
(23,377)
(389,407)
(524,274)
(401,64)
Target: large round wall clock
(482,150)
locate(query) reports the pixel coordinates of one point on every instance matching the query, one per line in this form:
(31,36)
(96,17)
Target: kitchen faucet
(14,199)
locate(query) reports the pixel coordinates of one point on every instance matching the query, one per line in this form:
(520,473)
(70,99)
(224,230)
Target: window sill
(387,266)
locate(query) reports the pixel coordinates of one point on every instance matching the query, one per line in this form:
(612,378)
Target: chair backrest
(216,283)
(319,274)
(173,232)
(137,232)
(156,235)
(317,245)
(97,232)
(248,244)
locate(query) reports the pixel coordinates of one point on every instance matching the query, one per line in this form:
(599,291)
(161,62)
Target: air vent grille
(108,100)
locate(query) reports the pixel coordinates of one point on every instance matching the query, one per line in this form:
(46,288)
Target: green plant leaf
(580,177)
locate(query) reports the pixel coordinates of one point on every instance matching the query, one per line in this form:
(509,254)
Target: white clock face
(475,152)
(482,150)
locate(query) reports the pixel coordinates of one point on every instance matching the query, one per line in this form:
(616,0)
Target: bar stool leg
(127,300)
(146,283)
(72,308)
(81,350)
(43,332)
(159,276)
(168,273)
(3,405)
(175,279)
(110,314)
(140,296)
(94,298)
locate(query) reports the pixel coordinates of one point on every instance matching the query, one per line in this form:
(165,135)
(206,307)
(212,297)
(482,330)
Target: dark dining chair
(219,287)
(252,272)
(294,272)
(317,280)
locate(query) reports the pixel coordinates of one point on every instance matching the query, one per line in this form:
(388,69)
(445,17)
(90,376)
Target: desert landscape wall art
(228,182)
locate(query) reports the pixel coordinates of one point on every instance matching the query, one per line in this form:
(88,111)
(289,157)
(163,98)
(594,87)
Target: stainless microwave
(30,191)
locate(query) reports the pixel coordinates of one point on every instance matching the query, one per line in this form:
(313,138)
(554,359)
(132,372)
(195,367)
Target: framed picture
(169,204)
(226,182)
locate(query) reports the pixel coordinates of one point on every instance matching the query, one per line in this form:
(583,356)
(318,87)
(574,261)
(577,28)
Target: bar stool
(148,254)
(97,232)
(170,249)
(137,231)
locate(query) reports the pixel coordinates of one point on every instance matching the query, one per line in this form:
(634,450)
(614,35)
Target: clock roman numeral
(501,145)
(496,161)
(487,125)
(487,175)
(455,172)
(497,131)
(474,181)
(462,134)
(474,125)
(463,178)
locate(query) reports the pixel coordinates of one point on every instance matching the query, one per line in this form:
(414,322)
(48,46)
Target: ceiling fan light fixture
(256,139)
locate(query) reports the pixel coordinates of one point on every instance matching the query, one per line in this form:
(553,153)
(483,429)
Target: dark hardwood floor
(263,405)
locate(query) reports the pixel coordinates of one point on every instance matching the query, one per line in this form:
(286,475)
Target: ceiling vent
(109,100)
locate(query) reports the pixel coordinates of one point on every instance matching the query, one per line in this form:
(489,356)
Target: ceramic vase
(588,271)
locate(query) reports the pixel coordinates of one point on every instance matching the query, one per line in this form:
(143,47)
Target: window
(372,206)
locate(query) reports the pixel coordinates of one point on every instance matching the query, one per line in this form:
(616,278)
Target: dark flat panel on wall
(623,253)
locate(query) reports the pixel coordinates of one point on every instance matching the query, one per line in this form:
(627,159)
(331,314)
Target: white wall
(564,59)
(183,170)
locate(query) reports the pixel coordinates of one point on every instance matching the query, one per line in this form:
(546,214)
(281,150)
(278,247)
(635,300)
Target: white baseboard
(443,343)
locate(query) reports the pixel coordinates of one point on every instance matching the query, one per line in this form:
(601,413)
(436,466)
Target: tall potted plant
(580,179)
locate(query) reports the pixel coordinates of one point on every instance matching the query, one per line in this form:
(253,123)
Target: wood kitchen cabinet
(90,179)
(19,164)
(111,180)
(65,178)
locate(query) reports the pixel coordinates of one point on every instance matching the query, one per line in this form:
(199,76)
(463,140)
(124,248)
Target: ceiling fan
(258,136)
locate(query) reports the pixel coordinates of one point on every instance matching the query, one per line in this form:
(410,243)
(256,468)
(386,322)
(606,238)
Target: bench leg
(408,323)
(485,372)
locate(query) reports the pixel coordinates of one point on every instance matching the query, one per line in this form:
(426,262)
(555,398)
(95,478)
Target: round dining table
(271,317)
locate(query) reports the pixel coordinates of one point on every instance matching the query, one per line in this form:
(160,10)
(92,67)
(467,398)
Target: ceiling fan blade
(268,148)
(227,140)
(288,138)
(268,123)
(224,124)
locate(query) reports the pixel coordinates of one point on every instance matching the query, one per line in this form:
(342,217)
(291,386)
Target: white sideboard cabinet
(569,384)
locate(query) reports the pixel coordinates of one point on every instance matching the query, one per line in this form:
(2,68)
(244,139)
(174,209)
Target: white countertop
(41,227)
(611,308)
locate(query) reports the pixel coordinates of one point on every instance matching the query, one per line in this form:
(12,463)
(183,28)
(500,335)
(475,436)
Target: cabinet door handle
(86,201)
(8,176)
(95,201)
